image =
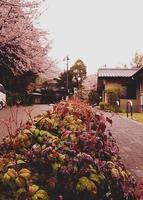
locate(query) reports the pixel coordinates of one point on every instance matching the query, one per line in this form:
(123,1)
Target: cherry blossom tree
(23,47)
(137,61)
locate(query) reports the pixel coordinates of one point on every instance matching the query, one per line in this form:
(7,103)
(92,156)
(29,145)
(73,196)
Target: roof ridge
(116,72)
(118,69)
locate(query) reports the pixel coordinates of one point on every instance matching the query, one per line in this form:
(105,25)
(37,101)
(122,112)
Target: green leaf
(20,162)
(20,192)
(55,166)
(95,178)
(85,184)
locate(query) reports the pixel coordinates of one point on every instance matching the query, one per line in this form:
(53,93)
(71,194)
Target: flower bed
(64,154)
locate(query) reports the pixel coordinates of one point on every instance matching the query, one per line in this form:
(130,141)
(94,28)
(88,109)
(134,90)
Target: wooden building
(131,81)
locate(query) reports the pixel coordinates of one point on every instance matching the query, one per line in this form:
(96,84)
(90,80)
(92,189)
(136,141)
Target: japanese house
(131,81)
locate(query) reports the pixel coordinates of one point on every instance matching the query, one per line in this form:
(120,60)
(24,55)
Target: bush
(93,97)
(59,157)
(115,109)
(103,106)
(113,94)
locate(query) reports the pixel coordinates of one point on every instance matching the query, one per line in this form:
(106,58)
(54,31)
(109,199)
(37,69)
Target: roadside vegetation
(24,48)
(136,116)
(64,154)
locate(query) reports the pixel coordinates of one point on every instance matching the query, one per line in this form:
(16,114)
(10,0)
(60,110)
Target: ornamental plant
(64,154)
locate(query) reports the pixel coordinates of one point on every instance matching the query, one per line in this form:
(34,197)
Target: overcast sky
(97,31)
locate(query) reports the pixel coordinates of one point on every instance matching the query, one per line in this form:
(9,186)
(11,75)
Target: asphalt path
(13,117)
(129,136)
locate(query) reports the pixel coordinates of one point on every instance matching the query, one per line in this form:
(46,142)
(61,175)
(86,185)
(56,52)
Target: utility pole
(67,62)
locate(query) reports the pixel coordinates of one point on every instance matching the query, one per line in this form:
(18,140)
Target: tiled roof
(116,72)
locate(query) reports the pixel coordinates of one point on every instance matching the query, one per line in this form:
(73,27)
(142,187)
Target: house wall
(135,102)
(141,85)
(110,83)
(140,94)
(132,88)
(123,102)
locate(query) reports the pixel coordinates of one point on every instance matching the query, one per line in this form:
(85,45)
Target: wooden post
(129,103)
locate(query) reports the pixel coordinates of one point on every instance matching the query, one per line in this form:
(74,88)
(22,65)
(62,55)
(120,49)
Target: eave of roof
(138,71)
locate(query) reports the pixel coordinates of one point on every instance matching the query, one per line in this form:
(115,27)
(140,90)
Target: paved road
(129,136)
(19,113)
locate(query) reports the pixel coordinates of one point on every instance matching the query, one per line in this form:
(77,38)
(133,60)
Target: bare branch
(6,18)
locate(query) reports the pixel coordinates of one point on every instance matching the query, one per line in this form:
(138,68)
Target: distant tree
(123,66)
(137,60)
(23,48)
(61,83)
(76,75)
(93,97)
(79,72)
